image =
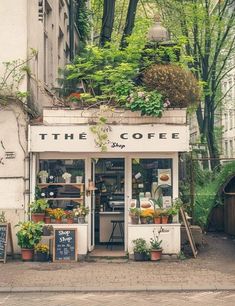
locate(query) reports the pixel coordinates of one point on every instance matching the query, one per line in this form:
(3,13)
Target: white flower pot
(79,179)
(68,180)
(43,179)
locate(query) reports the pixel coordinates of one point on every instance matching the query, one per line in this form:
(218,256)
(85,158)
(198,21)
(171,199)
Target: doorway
(109,204)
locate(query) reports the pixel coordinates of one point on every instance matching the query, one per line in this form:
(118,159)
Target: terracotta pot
(135,220)
(155,254)
(58,221)
(37,217)
(27,254)
(143,220)
(47,219)
(70,221)
(157,220)
(164,219)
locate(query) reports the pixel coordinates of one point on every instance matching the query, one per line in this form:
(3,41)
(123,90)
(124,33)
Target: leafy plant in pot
(134,213)
(57,214)
(155,246)
(81,213)
(28,235)
(43,175)
(141,250)
(42,252)
(69,215)
(37,209)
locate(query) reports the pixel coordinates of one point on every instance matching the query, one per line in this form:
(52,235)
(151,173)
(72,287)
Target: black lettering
(82,136)
(137,136)
(68,136)
(150,135)
(42,136)
(162,135)
(175,136)
(122,136)
(55,136)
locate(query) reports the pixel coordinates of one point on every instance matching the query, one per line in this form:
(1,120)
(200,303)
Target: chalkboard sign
(65,244)
(3,241)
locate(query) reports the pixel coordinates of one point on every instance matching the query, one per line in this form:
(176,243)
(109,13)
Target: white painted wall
(170,237)
(13,33)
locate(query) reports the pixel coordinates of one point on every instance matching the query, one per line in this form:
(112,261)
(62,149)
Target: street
(113,299)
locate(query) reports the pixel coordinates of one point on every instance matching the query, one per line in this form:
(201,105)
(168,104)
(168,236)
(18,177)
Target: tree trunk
(107,22)
(130,21)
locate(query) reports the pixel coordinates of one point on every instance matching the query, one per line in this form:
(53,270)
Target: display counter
(106,225)
(170,236)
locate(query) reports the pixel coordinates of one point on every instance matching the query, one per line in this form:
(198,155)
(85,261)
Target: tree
(208,29)
(130,21)
(107,22)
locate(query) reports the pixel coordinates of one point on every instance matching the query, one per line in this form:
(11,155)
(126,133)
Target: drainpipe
(71,29)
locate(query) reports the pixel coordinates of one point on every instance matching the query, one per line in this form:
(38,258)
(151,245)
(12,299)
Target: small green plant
(140,246)
(39,206)
(149,103)
(134,212)
(2,217)
(42,248)
(155,243)
(29,234)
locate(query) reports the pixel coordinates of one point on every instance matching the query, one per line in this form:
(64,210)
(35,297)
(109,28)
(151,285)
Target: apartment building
(48,28)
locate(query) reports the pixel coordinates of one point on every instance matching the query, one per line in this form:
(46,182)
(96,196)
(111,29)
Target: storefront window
(64,185)
(152,178)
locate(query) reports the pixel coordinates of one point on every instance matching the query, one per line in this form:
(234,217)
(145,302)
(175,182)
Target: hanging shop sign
(120,138)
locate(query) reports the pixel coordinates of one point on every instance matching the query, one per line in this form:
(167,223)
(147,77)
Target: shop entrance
(109,203)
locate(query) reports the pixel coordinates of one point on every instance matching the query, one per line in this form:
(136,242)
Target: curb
(97,290)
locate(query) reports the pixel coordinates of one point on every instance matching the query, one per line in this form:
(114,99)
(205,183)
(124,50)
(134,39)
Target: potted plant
(28,235)
(79,176)
(141,250)
(81,213)
(134,213)
(146,215)
(41,252)
(164,216)
(57,214)
(67,177)
(69,215)
(174,209)
(157,216)
(2,217)
(48,215)
(155,247)
(47,230)
(43,175)
(37,209)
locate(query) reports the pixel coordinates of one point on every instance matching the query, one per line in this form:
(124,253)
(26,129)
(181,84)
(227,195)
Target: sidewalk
(213,269)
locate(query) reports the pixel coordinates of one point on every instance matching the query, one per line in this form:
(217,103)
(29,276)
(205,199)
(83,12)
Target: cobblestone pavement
(213,269)
(116,299)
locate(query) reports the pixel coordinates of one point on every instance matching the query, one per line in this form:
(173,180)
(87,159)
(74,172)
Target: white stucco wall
(13,33)
(170,236)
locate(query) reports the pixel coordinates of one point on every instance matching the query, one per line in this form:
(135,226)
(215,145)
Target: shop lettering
(137,136)
(57,136)
(124,136)
(116,145)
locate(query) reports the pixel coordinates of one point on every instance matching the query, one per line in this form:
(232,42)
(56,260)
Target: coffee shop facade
(139,151)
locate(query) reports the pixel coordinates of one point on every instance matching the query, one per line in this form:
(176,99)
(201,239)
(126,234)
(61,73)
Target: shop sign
(121,138)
